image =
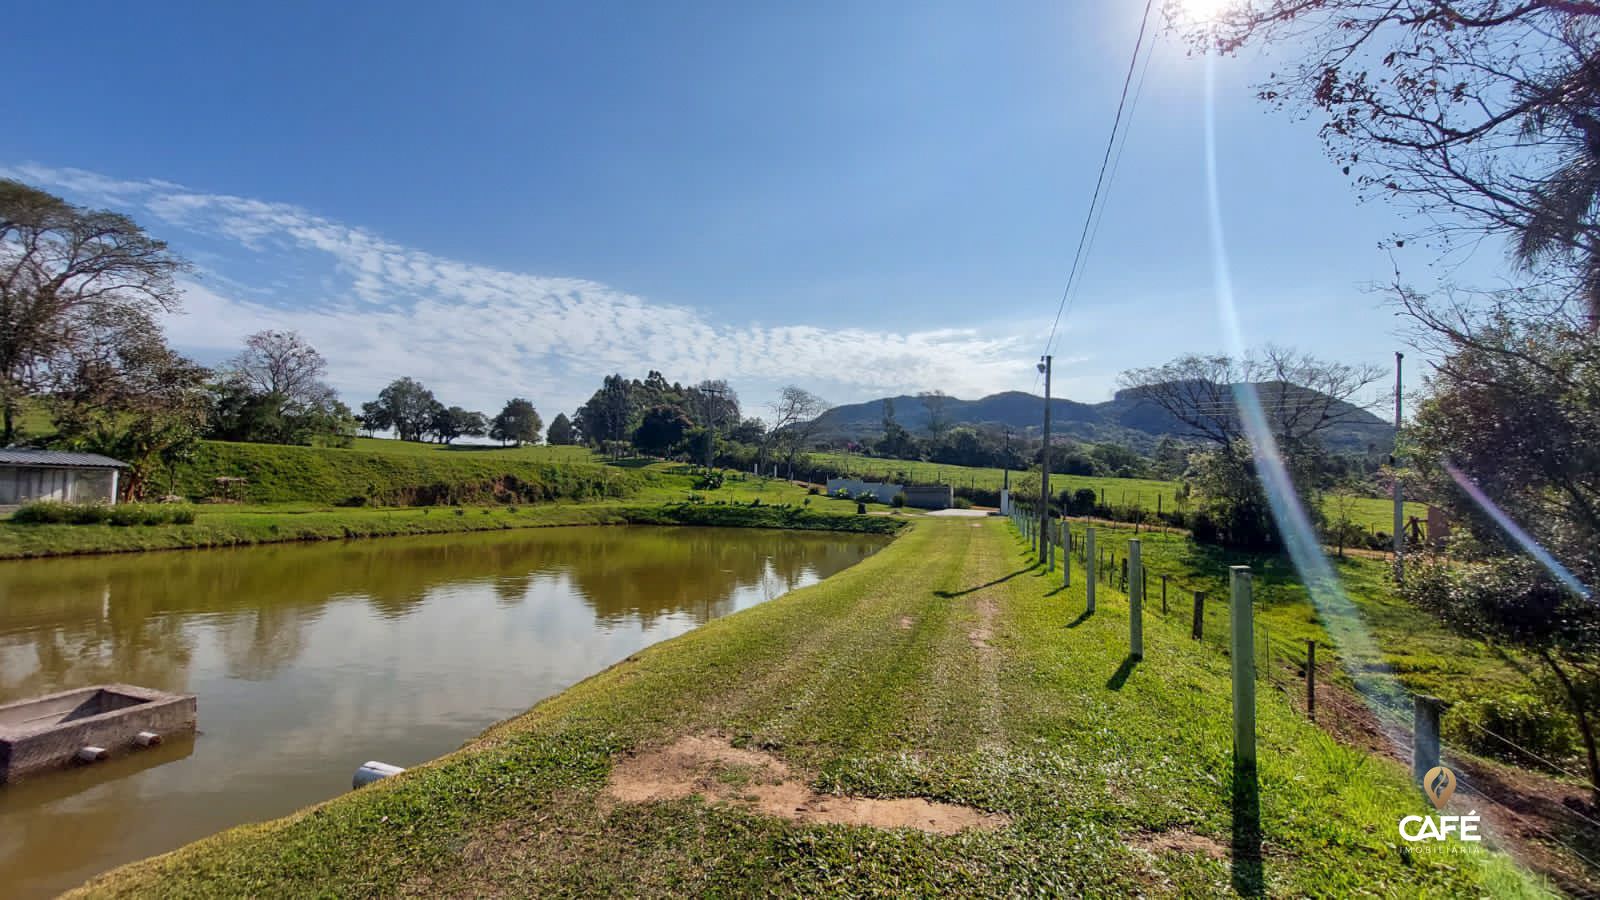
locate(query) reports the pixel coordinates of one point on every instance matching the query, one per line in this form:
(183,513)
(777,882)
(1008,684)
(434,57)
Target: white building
(29,475)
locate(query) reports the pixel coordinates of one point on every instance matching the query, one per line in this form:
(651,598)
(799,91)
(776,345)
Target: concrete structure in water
(29,475)
(87,725)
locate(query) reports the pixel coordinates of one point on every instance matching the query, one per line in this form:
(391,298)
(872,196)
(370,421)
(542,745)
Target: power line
(1100,181)
(1073,284)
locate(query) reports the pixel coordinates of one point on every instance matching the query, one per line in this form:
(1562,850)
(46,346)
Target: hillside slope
(1127,419)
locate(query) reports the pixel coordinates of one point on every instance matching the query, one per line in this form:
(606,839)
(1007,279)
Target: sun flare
(1204,10)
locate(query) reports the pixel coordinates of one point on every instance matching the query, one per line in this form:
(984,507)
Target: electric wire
(1100,180)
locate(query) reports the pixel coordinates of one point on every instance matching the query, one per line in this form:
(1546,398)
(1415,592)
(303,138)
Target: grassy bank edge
(251,528)
(566,743)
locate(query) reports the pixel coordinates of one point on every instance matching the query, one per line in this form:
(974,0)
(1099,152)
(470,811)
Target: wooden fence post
(1199,614)
(1164,595)
(1311,678)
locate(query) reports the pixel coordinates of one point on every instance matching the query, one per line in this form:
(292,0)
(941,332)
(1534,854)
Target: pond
(310,659)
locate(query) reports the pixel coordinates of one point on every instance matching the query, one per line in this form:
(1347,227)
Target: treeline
(703,422)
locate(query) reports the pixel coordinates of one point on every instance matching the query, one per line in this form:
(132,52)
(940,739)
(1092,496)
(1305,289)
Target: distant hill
(1128,418)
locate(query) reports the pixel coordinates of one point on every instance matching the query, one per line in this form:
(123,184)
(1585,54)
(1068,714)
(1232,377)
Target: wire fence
(1307,672)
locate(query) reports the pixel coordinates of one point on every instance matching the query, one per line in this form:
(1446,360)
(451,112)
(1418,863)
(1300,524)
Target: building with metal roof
(29,475)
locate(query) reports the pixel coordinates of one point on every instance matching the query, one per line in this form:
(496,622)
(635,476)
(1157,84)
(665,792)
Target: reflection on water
(310,659)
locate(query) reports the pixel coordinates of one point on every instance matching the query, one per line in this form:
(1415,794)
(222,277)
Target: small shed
(29,475)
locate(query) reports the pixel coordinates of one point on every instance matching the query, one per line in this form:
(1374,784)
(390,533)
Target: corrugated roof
(18,457)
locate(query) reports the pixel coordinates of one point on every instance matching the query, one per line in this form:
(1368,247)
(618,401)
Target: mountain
(1129,418)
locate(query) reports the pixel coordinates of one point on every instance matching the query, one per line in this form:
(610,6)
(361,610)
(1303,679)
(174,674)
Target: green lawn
(945,667)
(1412,652)
(1371,513)
(540,452)
(651,488)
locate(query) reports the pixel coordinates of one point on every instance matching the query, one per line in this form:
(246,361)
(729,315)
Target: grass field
(538,452)
(946,667)
(1371,513)
(654,486)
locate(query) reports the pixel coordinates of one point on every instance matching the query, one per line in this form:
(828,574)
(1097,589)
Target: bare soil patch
(710,767)
(984,632)
(906,622)
(1187,842)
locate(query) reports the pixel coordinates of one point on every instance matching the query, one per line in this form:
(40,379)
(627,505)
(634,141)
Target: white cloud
(477,334)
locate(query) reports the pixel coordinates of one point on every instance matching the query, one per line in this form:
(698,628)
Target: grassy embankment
(293,490)
(944,667)
(1370,513)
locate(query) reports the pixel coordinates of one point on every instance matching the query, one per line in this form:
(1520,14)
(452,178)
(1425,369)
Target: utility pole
(713,395)
(1044,481)
(1399,500)
(1006,485)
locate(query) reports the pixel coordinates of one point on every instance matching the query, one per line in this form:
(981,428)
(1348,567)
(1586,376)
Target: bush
(961,503)
(813,490)
(51,513)
(41,513)
(866,497)
(88,513)
(1520,718)
(899,501)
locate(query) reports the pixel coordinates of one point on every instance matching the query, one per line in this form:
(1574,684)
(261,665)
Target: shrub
(1522,719)
(866,497)
(813,490)
(88,513)
(51,513)
(962,503)
(41,513)
(899,500)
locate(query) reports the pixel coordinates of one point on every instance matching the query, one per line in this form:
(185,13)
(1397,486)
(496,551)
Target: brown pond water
(310,659)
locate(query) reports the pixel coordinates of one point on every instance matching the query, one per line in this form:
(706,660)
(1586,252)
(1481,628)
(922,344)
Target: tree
(408,407)
(375,417)
(136,400)
(716,404)
(938,416)
(449,423)
(1300,398)
(68,277)
(1514,602)
(1482,115)
(561,431)
(795,414)
(518,423)
(661,429)
(273,392)
(283,364)
(608,414)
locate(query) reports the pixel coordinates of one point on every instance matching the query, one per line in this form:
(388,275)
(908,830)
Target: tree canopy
(72,282)
(518,423)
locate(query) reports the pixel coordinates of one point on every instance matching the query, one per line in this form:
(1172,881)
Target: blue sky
(859,198)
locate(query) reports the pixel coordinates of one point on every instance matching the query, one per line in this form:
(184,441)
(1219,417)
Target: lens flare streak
(1523,539)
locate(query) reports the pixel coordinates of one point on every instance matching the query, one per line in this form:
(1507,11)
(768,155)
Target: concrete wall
(46,733)
(885,493)
(930,496)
